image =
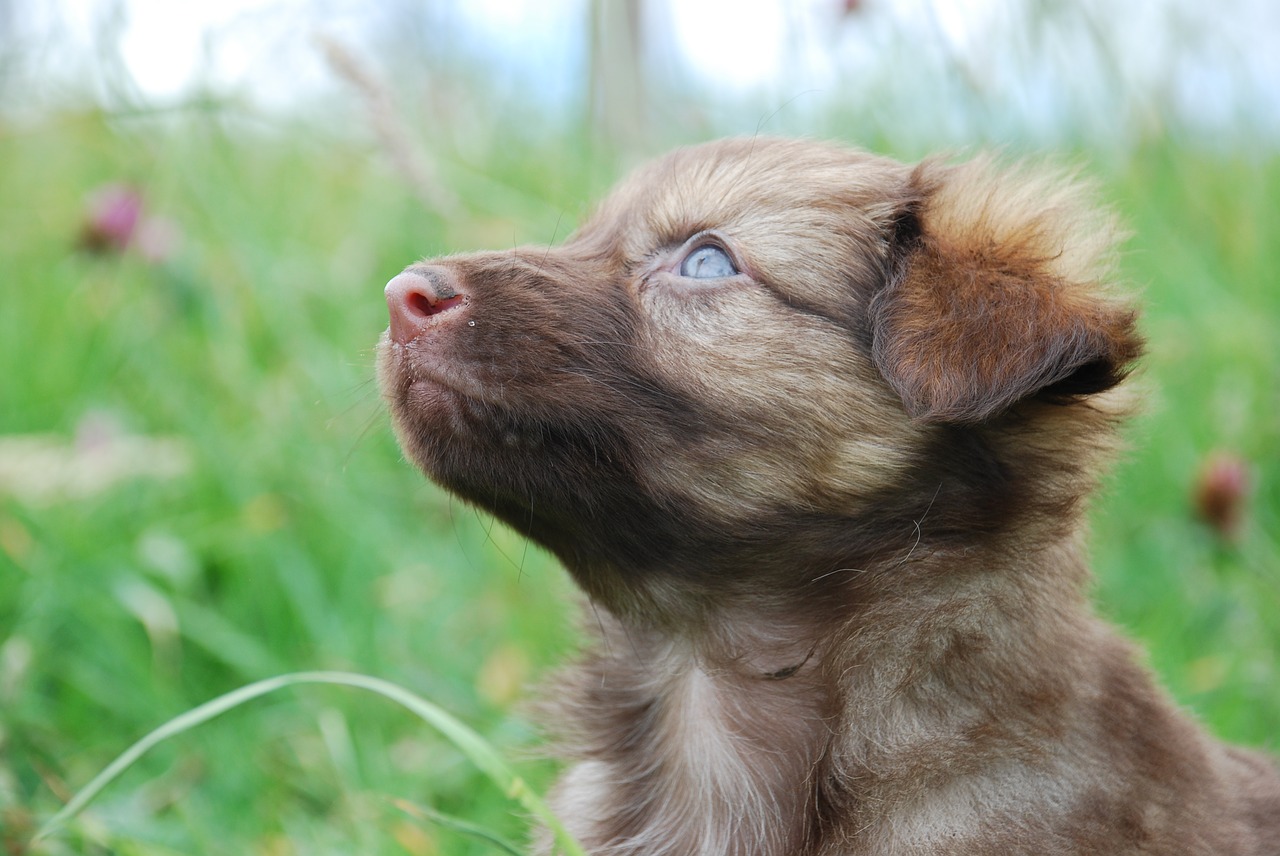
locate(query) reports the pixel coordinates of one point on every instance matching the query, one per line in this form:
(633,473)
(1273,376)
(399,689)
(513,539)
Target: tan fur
(828,510)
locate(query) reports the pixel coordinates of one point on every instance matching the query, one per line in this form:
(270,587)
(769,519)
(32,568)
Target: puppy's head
(762,360)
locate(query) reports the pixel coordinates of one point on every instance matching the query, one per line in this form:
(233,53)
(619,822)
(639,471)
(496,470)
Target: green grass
(300,540)
(1205,250)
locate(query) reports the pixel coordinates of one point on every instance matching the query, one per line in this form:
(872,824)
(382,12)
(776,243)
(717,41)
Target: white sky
(264,49)
(167,44)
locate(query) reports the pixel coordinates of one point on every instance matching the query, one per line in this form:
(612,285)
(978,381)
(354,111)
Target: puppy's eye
(708,262)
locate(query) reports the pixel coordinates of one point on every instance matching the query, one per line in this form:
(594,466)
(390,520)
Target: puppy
(814,431)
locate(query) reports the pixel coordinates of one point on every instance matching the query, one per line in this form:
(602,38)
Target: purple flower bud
(1221,493)
(111,218)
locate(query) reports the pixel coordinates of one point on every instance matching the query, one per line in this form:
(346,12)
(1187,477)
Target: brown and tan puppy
(814,431)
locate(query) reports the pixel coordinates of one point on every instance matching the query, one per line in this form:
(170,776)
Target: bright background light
(1216,63)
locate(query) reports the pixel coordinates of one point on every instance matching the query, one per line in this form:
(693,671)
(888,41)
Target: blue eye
(708,262)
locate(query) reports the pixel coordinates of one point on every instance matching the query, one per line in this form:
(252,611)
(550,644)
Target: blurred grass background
(198,486)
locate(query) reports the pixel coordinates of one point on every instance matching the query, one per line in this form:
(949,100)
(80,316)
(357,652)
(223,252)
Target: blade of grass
(470,743)
(430,815)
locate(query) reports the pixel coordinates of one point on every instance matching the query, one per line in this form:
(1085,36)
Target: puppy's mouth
(406,370)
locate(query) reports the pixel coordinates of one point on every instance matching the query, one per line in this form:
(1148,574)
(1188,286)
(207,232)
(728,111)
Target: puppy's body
(814,431)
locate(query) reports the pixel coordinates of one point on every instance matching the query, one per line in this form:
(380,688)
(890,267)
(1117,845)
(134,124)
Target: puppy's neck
(722,737)
(701,743)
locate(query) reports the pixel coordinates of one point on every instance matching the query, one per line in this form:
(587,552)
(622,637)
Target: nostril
(420,304)
(416,296)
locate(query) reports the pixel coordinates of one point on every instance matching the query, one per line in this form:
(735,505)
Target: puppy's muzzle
(421,299)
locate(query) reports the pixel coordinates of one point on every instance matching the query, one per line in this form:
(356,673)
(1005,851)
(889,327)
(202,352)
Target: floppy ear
(997,294)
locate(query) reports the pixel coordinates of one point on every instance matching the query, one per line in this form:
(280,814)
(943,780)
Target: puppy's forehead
(748,188)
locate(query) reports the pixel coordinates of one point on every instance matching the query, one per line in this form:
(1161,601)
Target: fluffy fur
(828,509)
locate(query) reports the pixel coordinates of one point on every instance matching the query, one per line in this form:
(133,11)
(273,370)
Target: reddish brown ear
(992,302)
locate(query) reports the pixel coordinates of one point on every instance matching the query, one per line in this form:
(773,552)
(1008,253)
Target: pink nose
(415,297)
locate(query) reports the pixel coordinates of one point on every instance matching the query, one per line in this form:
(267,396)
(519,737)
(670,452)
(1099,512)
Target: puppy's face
(696,384)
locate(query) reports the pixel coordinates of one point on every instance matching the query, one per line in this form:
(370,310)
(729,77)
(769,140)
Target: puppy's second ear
(998,295)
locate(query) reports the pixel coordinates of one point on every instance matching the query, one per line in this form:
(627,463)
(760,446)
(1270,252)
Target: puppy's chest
(695,759)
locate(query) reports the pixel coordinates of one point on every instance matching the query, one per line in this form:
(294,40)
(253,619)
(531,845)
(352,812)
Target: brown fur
(828,510)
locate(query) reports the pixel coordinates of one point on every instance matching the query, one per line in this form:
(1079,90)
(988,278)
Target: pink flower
(115,222)
(1221,492)
(111,218)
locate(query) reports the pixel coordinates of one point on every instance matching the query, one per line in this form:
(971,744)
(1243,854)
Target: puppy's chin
(535,468)
(470,446)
